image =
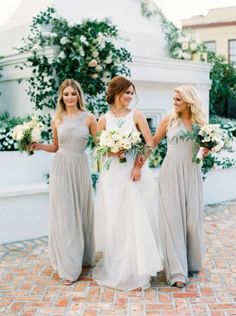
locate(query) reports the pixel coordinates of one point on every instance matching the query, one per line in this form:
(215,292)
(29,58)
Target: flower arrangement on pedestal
(181,44)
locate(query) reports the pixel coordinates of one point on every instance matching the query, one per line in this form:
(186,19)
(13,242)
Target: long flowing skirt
(127,228)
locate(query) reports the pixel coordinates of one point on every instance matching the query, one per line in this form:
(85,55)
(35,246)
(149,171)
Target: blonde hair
(190,95)
(61,108)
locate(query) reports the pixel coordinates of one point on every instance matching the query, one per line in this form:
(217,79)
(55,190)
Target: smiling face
(126,97)
(180,106)
(70,97)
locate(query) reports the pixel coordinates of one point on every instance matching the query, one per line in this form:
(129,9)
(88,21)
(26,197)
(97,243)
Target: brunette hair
(117,86)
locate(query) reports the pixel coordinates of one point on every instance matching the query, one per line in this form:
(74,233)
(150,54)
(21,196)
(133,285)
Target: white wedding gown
(127,222)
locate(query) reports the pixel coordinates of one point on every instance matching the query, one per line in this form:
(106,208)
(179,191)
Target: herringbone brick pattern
(29,286)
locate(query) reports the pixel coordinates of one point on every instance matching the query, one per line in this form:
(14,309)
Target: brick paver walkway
(29,286)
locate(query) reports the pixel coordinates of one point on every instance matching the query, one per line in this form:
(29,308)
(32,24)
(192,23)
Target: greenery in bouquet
(157,156)
(209,136)
(114,141)
(27,133)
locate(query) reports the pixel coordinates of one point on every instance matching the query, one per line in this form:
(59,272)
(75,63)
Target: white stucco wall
(153,73)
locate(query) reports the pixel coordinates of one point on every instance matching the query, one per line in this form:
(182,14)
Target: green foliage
(94,177)
(157,156)
(149,8)
(182,45)
(86,52)
(25,141)
(223,77)
(227,124)
(212,161)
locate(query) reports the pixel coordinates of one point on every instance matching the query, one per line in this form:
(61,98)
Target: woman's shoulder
(88,114)
(138,114)
(166,118)
(55,122)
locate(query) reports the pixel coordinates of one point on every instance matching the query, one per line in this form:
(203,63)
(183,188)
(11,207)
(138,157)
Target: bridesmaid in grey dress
(181,192)
(71,238)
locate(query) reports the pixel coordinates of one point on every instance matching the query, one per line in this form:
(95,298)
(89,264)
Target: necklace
(118,115)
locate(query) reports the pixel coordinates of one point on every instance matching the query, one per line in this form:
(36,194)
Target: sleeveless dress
(71,231)
(126,219)
(181,208)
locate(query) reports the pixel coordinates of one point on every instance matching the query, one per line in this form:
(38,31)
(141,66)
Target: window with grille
(211,45)
(232,50)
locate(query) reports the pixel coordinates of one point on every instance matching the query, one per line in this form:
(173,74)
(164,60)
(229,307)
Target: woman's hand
(35,146)
(135,174)
(139,161)
(119,154)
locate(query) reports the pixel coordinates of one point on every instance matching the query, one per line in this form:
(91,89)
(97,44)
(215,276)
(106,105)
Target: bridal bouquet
(27,133)
(117,140)
(209,136)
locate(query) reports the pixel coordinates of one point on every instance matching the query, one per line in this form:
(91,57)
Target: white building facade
(25,194)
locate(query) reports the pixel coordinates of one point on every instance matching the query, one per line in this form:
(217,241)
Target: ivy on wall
(86,52)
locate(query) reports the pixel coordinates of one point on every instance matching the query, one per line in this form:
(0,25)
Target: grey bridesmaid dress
(71,229)
(181,208)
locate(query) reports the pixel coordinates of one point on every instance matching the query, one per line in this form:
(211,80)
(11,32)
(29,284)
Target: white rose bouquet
(113,141)
(27,133)
(209,136)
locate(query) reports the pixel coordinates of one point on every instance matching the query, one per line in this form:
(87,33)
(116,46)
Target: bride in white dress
(127,227)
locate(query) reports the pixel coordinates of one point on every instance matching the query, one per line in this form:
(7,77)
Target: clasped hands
(139,162)
(136,171)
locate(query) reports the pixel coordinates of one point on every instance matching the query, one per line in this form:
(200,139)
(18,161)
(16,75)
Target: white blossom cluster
(213,134)
(6,141)
(116,140)
(27,133)
(186,46)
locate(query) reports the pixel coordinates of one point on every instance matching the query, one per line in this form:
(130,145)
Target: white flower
(98,68)
(105,79)
(182,39)
(71,24)
(83,40)
(49,34)
(93,63)
(35,47)
(193,47)
(185,46)
(18,133)
(101,38)
(108,60)
(186,56)
(95,53)
(106,74)
(94,76)
(36,134)
(81,52)
(62,55)
(178,53)
(64,40)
